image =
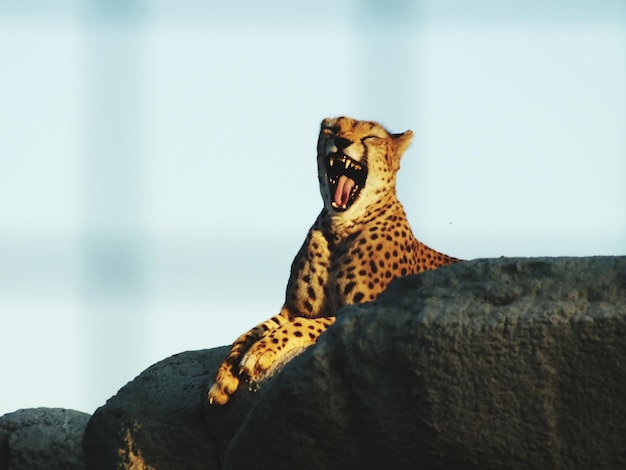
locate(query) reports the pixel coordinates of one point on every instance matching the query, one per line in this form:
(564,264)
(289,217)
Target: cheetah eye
(372,139)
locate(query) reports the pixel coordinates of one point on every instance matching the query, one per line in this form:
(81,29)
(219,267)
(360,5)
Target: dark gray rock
(507,363)
(156,420)
(490,364)
(42,438)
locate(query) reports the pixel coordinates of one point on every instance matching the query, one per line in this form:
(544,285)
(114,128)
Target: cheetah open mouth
(346,178)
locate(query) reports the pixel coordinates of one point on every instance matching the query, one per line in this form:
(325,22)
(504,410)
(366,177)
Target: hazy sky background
(158,158)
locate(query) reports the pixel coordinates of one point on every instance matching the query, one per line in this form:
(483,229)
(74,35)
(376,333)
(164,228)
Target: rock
(42,438)
(490,364)
(156,421)
(486,364)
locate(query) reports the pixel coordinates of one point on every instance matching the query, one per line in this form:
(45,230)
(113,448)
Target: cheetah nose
(342,142)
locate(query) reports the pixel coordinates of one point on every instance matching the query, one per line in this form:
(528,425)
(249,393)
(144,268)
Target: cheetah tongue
(342,193)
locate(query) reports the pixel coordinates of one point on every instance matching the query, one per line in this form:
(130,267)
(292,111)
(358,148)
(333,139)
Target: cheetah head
(357,162)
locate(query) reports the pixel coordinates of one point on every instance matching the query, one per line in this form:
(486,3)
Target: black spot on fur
(348,288)
(373,266)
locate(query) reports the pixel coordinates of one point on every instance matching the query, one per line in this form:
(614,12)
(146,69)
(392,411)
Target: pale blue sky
(158,158)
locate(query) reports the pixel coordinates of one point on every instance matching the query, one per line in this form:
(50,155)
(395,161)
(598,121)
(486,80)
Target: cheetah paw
(280,345)
(224,386)
(259,362)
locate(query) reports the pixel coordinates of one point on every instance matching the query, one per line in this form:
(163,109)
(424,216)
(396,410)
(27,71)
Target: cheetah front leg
(276,339)
(279,345)
(227,377)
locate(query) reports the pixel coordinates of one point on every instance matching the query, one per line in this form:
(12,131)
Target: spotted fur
(358,244)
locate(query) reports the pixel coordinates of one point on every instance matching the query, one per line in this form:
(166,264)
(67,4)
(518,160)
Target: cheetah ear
(401,142)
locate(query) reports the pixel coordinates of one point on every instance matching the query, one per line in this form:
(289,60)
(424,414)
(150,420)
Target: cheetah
(359,243)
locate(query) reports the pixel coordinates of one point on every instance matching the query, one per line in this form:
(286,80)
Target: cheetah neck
(345,224)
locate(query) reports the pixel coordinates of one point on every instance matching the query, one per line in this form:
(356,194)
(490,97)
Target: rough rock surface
(42,438)
(490,364)
(500,363)
(156,421)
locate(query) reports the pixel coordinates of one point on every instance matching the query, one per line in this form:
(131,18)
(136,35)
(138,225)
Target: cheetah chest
(363,269)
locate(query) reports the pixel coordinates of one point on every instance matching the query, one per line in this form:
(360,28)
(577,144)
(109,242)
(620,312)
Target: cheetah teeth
(346,177)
